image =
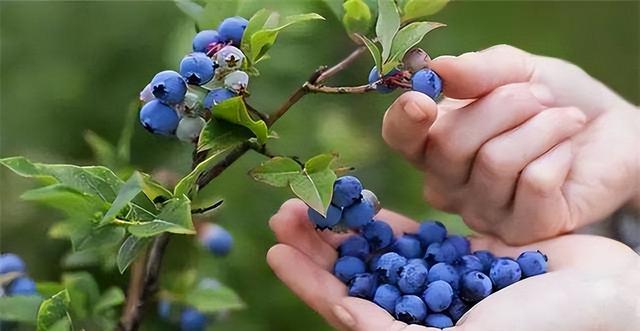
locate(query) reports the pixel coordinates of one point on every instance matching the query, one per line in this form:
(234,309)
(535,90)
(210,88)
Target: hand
(592,283)
(532,148)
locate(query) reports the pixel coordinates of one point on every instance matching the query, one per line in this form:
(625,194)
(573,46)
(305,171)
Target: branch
(340,89)
(206,209)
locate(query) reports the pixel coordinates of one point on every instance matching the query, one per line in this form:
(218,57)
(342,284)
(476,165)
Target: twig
(206,209)
(340,89)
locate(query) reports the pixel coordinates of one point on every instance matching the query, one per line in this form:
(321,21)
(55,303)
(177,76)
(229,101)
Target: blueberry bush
(125,218)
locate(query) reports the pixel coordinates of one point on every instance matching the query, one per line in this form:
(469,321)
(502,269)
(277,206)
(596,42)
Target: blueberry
(334,214)
(431,232)
(22,286)
(457,308)
(169,87)
(347,267)
(504,272)
(486,258)
(370,198)
(410,309)
(10,262)
(197,68)
(462,244)
(236,81)
(372,263)
(532,263)
(217,240)
(441,252)
(445,272)
(164,309)
(438,296)
(230,58)
(386,296)
(146,94)
(439,321)
(232,29)
(355,245)
(381,87)
(358,215)
(468,263)
(192,320)
(189,129)
(428,82)
(362,286)
(415,60)
(475,286)
(346,191)
(379,234)
(159,118)
(408,246)
(204,39)
(216,96)
(419,261)
(413,278)
(389,266)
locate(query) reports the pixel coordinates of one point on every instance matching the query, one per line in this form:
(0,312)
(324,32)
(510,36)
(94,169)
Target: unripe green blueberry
(230,58)
(236,81)
(189,128)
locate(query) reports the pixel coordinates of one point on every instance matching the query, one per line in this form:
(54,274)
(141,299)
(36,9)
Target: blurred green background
(69,67)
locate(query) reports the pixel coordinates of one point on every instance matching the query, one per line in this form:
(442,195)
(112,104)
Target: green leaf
(83,292)
(415,9)
(320,163)
(103,151)
(97,237)
(235,111)
(256,23)
(123,148)
(190,8)
(129,251)
(315,185)
(127,192)
(156,227)
(277,171)
(374,50)
(410,36)
(357,17)
(154,190)
(48,289)
(111,298)
(187,183)
(19,308)
(211,300)
(52,310)
(68,199)
(387,25)
(220,135)
(174,217)
(61,325)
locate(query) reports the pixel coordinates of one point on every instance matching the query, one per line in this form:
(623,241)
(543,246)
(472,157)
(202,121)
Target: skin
(591,285)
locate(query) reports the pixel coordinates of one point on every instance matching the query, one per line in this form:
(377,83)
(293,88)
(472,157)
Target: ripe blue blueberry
(217,240)
(468,263)
(441,252)
(355,245)
(358,215)
(216,96)
(381,87)
(372,263)
(386,296)
(389,266)
(334,214)
(532,263)
(192,320)
(370,198)
(169,87)
(504,272)
(419,261)
(346,191)
(158,118)
(439,321)
(408,246)
(236,81)
(189,129)
(22,286)
(197,68)
(411,309)
(232,29)
(413,278)
(428,82)
(362,286)
(10,262)
(204,39)
(475,286)
(347,267)
(462,244)
(379,234)
(431,232)
(486,258)
(457,308)
(164,309)
(229,58)
(438,296)
(445,272)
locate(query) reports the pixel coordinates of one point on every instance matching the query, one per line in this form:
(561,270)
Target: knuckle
(437,199)
(493,161)
(538,180)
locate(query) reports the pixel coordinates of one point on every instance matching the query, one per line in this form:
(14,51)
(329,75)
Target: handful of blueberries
(429,277)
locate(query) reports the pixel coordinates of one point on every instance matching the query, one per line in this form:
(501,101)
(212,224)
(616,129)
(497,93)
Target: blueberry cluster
(13,270)
(175,103)
(416,68)
(189,318)
(215,239)
(429,277)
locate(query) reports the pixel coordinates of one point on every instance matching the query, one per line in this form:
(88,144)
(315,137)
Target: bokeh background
(69,67)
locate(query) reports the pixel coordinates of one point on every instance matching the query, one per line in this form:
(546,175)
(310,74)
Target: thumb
(406,124)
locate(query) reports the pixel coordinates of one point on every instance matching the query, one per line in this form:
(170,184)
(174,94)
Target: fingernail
(343,316)
(542,93)
(415,113)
